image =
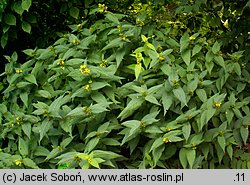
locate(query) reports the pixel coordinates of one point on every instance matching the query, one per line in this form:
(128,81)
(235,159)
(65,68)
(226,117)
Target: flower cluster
(102,8)
(84,69)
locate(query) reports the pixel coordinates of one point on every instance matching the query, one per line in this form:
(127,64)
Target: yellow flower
(84,69)
(76,41)
(104,63)
(166,140)
(86,87)
(102,8)
(19,120)
(217,104)
(18,71)
(161,57)
(139,22)
(18,162)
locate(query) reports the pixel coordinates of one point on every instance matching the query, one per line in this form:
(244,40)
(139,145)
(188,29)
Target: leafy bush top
(117,94)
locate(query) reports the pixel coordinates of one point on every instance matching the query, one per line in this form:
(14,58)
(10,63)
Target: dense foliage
(144,85)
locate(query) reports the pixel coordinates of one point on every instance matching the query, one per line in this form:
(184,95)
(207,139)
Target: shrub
(117,94)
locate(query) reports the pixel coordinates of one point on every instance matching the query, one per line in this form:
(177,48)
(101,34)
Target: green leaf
(91,144)
(180,95)
(220,61)
(201,94)
(10,19)
(133,105)
(53,153)
(107,155)
(157,153)
(184,42)
(74,61)
(157,143)
(74,12)
(26,4)
(99,108)
(114,43)
(186,56)
(244,133)
(17,6)
(110,16)
(44,93)
(138,69)
(152,99)
(191,155)
(4,39)
(41,151)
(183,157)
(222,142)
(23,147)
(98,85)
(237,68)
(26,27)
(216,48)
(66,142)
(44,128)
(186,129)
(230,151)
(29,163)
(24,97)
(197,48)
(31,78)
(167,101)
(26,127)
(78,111)
(209,56)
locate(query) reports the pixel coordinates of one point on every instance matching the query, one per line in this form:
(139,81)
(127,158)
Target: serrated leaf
(26,27)
(26,127)
(23,147)
(186,56)
(180,95)
(10,19)
(74,12)
(184,42)
(110,16)
(31,78)
(26,4)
